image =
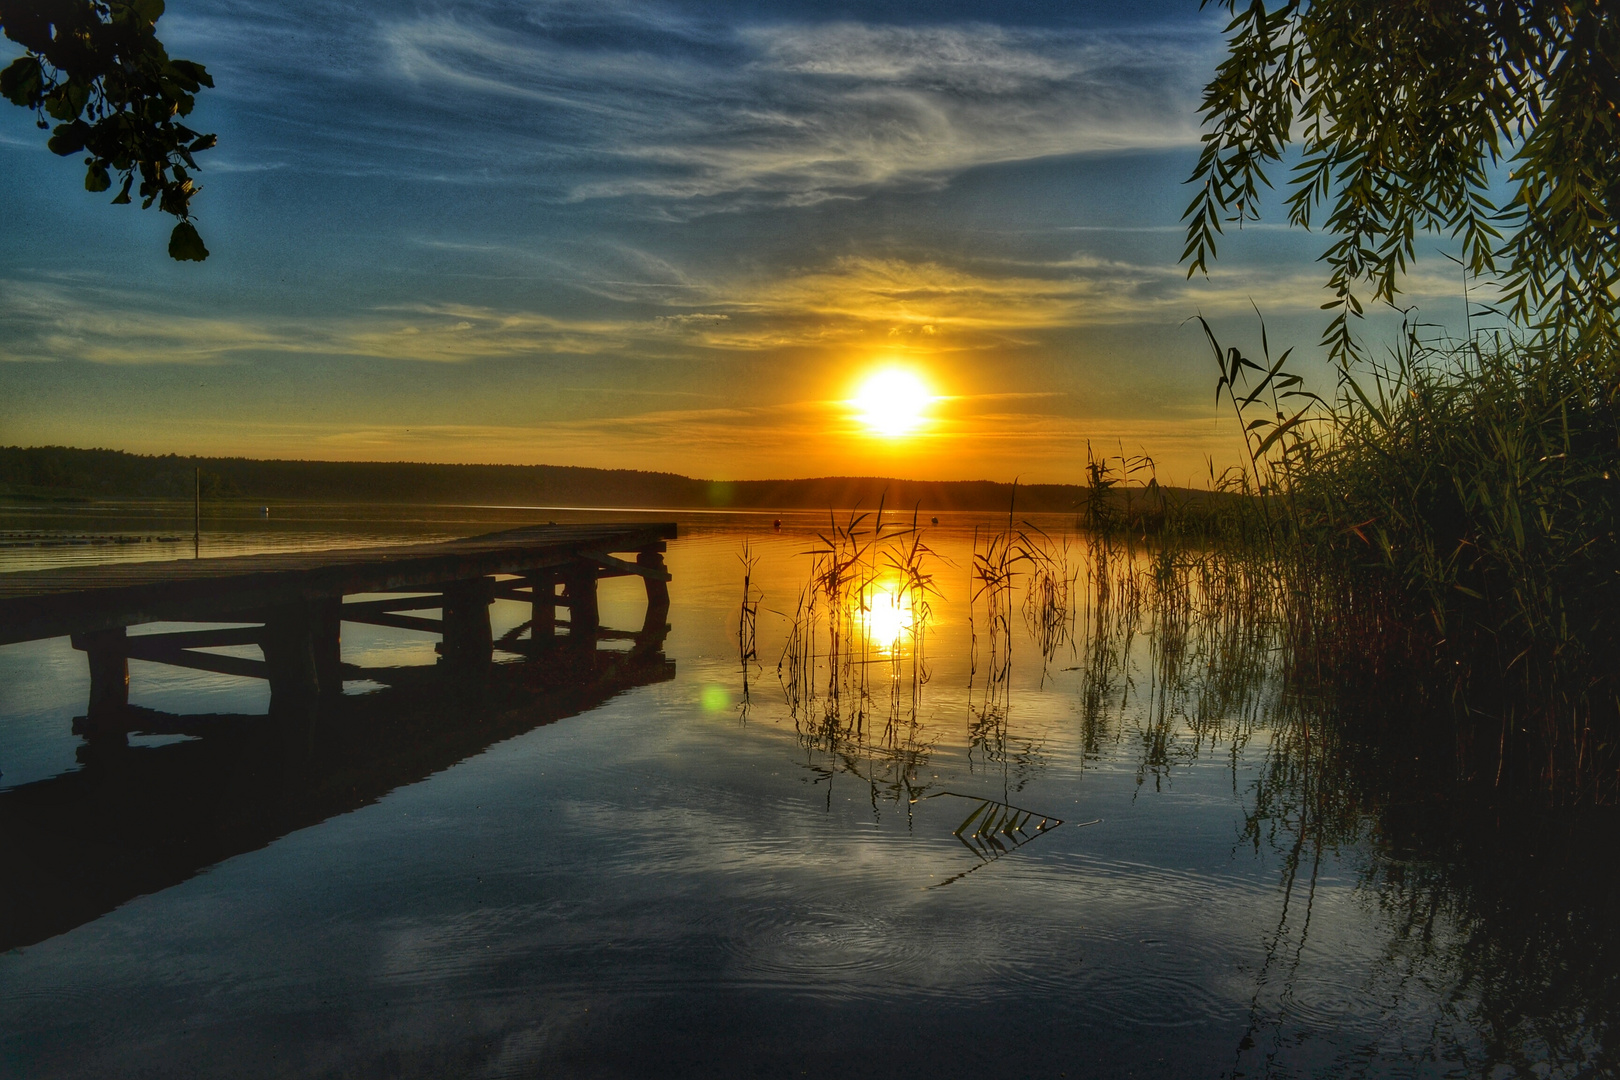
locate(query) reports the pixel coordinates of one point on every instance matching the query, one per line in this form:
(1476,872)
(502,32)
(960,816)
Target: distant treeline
(55,473)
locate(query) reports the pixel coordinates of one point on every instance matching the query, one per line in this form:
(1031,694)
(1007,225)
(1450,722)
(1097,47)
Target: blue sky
(657,235)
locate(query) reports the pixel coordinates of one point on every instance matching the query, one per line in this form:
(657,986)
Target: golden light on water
(893,402)
(887,616)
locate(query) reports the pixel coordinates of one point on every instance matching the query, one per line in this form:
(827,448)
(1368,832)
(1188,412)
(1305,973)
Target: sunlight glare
(887,617)
(892,402)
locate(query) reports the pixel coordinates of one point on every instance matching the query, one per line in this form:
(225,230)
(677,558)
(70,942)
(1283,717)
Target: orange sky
(674,237)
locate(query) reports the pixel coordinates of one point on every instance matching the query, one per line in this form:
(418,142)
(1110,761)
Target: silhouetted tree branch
(97,68)
(1403,110)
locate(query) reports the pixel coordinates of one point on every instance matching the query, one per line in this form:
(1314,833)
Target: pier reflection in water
(136,819)
(1116,843)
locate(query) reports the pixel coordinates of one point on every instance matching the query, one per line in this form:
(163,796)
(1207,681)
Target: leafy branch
(1404,111)
(97,68)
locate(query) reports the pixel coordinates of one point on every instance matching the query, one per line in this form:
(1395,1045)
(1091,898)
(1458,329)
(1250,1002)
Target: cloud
(47,322)
(689,320)
(665,108)
(227,165)
(946,306)
(932,304)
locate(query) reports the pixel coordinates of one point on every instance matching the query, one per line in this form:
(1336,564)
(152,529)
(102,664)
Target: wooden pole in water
(196,518)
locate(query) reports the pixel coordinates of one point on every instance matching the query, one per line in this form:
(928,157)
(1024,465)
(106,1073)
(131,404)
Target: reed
(1049,591)
(1447,525)
(862,564)
(990,590)
(748,611)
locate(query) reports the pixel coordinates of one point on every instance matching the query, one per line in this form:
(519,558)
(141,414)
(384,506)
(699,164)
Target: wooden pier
(295,607)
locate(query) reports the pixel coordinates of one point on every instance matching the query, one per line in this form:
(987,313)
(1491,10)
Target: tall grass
(1445,528)
(825,667)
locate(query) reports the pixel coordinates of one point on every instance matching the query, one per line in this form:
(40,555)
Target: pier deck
(297,601)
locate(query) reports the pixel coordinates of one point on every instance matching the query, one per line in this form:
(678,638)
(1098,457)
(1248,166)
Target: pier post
(543,612)
(653,627)
(579,586)
(327,629)
(289,654)
(468,642)
(109,669)
(657,587)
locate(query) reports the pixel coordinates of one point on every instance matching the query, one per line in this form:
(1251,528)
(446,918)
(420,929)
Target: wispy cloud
(945,307)
(932,305)
(616,100)
(47,322)
(819,112)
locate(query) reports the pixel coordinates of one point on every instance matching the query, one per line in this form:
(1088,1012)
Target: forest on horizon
(66,474)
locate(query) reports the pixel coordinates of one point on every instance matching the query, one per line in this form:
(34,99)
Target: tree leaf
(22,82)
(68,138)
(149,10)
(185,245)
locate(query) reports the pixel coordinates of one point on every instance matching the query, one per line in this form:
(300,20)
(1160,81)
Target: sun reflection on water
(885,614)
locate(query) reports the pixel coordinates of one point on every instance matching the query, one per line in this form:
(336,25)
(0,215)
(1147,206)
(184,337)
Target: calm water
(669,865)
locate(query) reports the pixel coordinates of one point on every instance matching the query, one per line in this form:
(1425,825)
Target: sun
(892,402)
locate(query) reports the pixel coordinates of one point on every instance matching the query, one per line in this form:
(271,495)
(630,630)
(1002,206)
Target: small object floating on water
(264,511)
(934,520)
(777,524)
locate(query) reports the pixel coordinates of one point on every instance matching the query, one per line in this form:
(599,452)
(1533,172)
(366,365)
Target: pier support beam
(657,584)
(579,588)
(468,642)
(289,645)
(654,627)
(109,670)
(327,629)
(543,613)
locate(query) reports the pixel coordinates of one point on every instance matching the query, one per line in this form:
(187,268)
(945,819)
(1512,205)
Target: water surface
(678,866)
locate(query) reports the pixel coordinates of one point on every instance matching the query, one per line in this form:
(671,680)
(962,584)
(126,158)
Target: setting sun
(892,402)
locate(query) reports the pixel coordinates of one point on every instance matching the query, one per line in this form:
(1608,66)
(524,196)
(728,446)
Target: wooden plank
(549,544)
(527,596)
(398,622)
(505,590)
(627,569)
(355,610)
(196,639)
(50,603)
(221,665)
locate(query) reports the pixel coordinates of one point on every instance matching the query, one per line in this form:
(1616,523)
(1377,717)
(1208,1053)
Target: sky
(671,236)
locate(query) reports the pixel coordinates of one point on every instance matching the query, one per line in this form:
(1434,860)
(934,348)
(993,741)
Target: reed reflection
(993,829)
(1496,924)
(1500,951)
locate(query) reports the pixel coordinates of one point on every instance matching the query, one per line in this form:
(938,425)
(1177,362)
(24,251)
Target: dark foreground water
(644,866)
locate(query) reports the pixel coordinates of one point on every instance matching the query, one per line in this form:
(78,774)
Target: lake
(977,836)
